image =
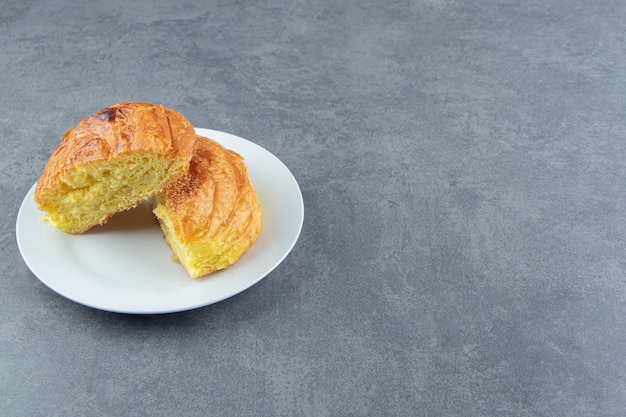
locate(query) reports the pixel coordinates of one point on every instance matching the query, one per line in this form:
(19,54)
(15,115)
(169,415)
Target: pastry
(111,161)
(211,215)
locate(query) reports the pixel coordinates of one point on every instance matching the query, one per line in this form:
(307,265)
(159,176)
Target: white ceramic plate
(125,266)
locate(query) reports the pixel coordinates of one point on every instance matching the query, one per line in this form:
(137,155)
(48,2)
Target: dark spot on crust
(107,115)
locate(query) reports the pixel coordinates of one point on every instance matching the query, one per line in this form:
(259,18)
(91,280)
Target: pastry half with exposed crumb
(111,161)
(211,215)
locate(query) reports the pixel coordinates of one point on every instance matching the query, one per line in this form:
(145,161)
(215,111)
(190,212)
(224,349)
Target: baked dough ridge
(112,161)
(210,216)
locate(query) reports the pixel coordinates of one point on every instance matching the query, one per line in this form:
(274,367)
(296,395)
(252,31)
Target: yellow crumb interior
(198,257)
(90,194)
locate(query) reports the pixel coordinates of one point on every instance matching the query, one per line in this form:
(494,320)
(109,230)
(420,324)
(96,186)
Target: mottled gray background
(463,168)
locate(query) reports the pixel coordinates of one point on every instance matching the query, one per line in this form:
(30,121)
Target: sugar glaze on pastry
(211,215)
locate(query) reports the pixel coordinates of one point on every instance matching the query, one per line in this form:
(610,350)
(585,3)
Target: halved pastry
(211,215)
(111,161)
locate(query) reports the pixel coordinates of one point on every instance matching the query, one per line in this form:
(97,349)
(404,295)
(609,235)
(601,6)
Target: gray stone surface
(463,168)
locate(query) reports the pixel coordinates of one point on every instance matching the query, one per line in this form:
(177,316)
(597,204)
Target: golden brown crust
(213,205)
(122,128)
(111,161)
